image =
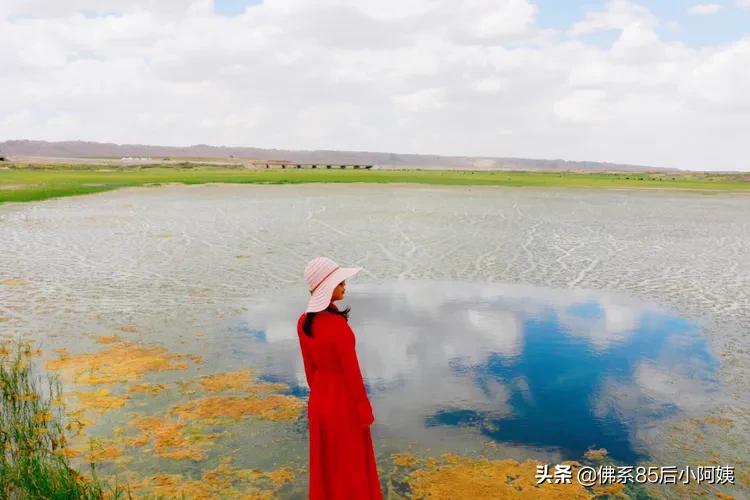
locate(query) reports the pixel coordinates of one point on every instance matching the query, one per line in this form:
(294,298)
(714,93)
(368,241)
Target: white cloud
(617,15)
(425,77)
(490,85)
(422,100)
(512,17)
(703,9)
(743,3)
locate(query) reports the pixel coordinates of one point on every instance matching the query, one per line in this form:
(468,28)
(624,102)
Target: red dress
(342,460)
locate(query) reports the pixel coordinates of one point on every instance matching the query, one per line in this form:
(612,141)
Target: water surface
(561,371)
(544,322)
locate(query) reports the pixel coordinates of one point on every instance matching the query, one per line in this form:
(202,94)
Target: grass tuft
(33,463)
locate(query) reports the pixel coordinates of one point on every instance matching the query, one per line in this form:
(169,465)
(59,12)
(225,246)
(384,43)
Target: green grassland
(30,182)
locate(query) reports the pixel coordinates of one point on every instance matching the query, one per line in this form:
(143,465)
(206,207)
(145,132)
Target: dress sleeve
(307,360)
(347,353)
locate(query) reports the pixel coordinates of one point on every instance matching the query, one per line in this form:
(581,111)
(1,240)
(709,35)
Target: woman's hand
(366,417)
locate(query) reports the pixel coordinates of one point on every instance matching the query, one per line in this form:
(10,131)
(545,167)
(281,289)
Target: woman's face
(339,291)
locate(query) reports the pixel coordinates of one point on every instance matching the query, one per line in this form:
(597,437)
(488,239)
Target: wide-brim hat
(323,275)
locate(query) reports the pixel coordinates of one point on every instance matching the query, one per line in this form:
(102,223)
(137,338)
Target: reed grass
(33,464)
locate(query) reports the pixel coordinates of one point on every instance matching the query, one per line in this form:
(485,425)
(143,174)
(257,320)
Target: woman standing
(342,460)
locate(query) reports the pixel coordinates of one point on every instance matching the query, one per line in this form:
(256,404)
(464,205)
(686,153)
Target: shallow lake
(507,323)
(545,369)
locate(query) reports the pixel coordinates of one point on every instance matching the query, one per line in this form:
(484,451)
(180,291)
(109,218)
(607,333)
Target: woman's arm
(307,360)
(347,353)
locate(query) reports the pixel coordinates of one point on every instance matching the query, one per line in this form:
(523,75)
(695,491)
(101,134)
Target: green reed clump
(32,435)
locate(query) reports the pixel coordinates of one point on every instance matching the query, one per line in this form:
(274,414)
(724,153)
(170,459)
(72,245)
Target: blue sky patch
(233,7)
(676,24)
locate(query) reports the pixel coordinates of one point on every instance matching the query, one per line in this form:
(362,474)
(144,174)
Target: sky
(659,83)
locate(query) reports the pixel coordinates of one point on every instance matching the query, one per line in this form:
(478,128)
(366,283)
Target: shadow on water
(558,371)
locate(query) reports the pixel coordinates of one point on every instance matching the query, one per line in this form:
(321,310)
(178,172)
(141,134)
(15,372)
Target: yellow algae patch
(25,348)
(240,380)
(236,380)
(185,387)
(220,482)
(152,389)
(266,388)
(596,455)
(26,396)
(14,282)
(200,292)
(714,420)
(43,417)
(169,439)
(101,400)
(614,490)
(137,441)
(122,362)
(103,451)
(484,478)
(184,454)
(71,452)
(129,328)
(404,459)
(107,339)
(77,421)
(275,407)
(724,496)
(62,352)
(192,357)
(281,476)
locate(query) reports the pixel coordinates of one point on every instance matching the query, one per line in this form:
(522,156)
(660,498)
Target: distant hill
(81,149)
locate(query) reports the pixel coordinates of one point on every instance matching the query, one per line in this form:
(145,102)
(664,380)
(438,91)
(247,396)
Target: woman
(342,460)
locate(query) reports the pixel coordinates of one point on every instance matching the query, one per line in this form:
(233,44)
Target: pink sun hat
(322,276)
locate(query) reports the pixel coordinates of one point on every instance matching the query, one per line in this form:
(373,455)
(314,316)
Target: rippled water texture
(480,311)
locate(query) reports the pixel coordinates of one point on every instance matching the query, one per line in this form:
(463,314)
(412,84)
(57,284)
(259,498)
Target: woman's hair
(307,326)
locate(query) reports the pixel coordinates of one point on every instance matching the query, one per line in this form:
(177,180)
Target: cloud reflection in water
(550,370)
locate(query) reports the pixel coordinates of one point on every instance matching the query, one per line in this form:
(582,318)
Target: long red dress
(342,459)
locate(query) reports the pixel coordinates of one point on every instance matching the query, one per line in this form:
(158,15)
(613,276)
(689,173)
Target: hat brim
(321,297)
